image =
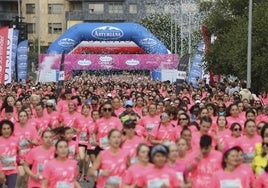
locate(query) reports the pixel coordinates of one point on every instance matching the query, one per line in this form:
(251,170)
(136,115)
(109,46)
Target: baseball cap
(129,103)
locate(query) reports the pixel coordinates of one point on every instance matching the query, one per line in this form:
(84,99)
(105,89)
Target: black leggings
(10,181)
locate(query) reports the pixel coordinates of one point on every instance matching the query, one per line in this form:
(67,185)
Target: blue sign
(22,61)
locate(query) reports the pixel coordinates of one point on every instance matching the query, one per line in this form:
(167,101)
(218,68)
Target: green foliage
(162,26)
(228,20)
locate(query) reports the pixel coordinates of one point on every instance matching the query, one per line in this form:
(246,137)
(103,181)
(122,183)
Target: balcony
(8,16)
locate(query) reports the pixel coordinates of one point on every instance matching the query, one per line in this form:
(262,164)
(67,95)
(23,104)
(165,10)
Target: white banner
(8,76)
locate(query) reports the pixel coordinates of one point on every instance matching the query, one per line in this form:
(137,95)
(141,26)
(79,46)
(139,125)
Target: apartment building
(48,19)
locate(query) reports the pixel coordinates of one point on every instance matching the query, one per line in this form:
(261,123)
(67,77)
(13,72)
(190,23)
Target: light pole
(249,44)
(39,26)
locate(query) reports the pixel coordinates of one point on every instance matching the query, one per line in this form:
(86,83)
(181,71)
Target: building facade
(48,19)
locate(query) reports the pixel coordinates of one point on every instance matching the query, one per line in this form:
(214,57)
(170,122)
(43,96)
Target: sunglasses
(49,106)
(107,109)
(237,129)
(182,119)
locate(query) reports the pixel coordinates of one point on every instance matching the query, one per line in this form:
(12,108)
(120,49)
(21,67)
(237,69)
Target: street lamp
(249,44)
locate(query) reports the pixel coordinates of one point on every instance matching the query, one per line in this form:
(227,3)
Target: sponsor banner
(104,62)
(22,61)
(14,50)
(3,52)
(8,74)
(196,71)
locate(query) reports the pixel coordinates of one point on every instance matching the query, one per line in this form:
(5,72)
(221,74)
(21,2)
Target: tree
(163,26)
(228,20)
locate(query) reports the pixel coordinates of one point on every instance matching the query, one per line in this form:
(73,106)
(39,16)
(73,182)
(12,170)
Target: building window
(77,6)
(133,9)
(31,28)
(54,28)
(55,8)
(30,8)
(115,8)
(96,8)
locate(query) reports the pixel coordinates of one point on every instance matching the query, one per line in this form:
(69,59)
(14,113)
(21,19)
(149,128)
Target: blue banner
(196,70)
(14,50)
(22,61)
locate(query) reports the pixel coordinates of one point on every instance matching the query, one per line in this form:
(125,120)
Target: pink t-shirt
(246,171)
(70,120)
(224,137)
(180,170)
(161,132)
(60,173)
(119,111)
(159,177)
(73,149)
(261,117)
(231,120)
(131,146)
(248,146)
(103,126)
(116,164)
(24,133)
(9,148)
(38,157)
(202,174)
(42,123)
(54,119)
(223,179)
(138,110)
(149,123)
(262,181)
(232,141)
(86,127)
(131,176)
(62,106)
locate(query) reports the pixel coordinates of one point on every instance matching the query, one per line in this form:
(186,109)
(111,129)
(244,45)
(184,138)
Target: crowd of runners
(129,131)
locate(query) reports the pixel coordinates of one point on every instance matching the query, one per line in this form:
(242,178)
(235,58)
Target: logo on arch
(67,42)
(107,32)
(148,42)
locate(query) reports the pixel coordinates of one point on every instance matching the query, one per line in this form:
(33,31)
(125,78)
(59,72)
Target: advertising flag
(22,61)
(8,76)
(14,50)
(3,52)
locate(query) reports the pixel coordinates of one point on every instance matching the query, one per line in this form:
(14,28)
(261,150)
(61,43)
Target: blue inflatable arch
(107,32)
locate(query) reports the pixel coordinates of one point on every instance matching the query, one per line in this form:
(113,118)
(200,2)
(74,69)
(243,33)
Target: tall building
(48,19)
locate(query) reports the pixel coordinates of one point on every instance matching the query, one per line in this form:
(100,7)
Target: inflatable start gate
(157,55)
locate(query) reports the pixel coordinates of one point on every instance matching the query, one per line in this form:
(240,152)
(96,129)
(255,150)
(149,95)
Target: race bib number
(8,163)
(104,142)
(40,169)
(133,160)
(83,137)
(157,183)
(180,176)
(24,145)
(71,151)
(149,127)
(249,157)
(230,184)
(113,182)
(62,184)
